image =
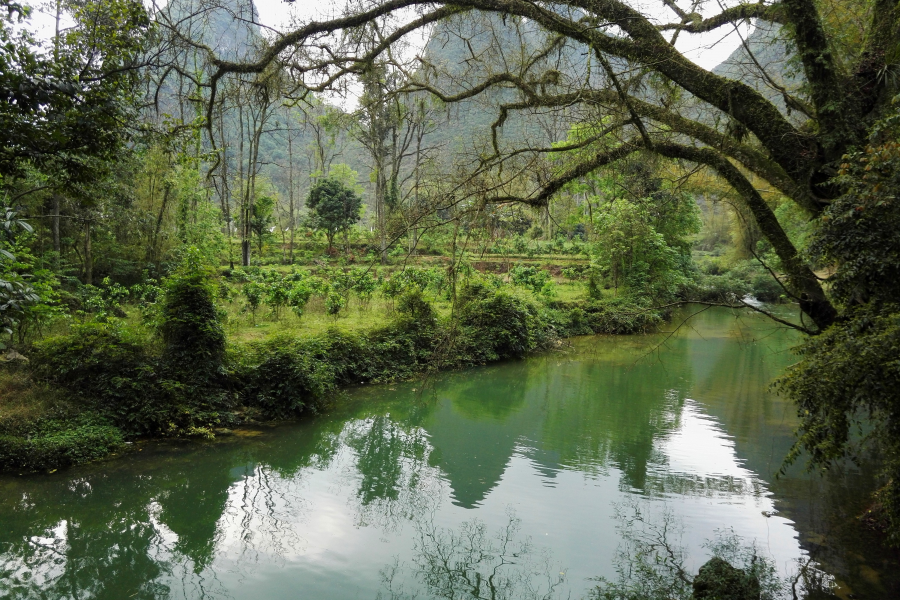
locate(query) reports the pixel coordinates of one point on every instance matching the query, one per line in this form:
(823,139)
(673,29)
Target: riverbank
(562,437)
(85,394)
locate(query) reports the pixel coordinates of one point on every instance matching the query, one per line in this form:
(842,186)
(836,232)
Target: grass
(23,401)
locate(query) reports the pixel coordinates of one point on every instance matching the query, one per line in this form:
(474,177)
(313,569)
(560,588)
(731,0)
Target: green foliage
(298,295)
(202,229)
(413,307)
(392,287)
(335,207)
(28,292)
(847,379)
(364,286)
(576,272)
(54,444)
(65,111)
(719,281)
(858,232)
(147,295)
(413,279)
(644,249)
(190,328)
(535,279)
(104,301)
(278,295)
(334,303)
(140,387)
(622,315)
(289,376)
(110,370)
(285,377)
(495,324)
(262,219)
(253,292)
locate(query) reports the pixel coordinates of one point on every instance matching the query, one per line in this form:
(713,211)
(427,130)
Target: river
(528,471)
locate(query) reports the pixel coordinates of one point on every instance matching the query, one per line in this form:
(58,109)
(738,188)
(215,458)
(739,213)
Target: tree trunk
(801,280)
(88,258)
(154,253)
(290,197)
(380,191)
(54,227)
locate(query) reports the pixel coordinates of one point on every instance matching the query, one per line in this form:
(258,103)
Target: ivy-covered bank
(112,381)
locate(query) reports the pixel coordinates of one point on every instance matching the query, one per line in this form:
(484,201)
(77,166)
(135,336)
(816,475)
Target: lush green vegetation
(170,207)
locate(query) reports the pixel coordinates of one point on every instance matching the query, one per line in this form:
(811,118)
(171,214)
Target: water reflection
(401,472)
(471,563)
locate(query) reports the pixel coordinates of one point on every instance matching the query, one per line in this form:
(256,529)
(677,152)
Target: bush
(412,306)
(56,444)
(109,369)
(194,337)
(286,376)
(496,325)
(532,278)
(334,304)
(253,293)
(140,387)
(298,296)
(621,316)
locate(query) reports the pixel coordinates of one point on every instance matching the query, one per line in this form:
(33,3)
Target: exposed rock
(718,580)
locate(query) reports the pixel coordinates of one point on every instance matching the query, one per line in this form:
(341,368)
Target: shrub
(253,293)
(298,296)
(412,306)
(532,278)
(190,327)
(334,303)
(126,378)
(107,368)
(364,285)
(277,295)
(286,377)
(621,316)
(496,325)
(55,444)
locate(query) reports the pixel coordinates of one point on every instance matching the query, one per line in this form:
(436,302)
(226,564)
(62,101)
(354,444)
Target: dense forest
(210,221)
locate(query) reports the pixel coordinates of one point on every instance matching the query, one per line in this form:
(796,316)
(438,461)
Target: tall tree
(629,48)
(613,67)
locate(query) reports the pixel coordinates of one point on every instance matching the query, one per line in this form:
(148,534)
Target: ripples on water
(503,482)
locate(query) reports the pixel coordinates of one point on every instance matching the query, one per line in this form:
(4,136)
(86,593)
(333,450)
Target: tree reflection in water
(470,563)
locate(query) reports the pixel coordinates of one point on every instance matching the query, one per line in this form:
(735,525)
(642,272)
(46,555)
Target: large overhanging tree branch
(749,156)
(695,23)
(803,156)
(801,280)
(805,285)
(796,160)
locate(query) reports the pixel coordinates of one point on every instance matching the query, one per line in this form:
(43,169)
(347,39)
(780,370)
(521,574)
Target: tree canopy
(612,69)
(632,77)
(68,108)
(335,207)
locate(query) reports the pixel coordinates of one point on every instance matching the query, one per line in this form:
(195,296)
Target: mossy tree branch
(773,13)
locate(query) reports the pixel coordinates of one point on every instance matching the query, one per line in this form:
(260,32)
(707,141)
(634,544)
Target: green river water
(522,469)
